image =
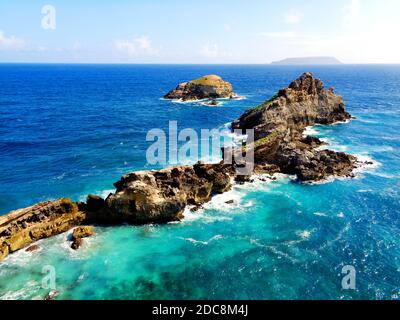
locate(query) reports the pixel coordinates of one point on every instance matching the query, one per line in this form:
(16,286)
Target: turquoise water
(71,130)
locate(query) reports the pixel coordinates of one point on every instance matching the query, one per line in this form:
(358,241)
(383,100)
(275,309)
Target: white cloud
(10,43)
(76,46)
(352,11)
(143,43)
(227,27)
(281,35)
(293,17)
(213,51)
(41,49)
(136,47)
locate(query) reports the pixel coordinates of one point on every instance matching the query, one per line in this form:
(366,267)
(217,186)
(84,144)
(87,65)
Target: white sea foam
(306,234)
(366,163)
(207,104)
(24,293)
(197,101)
(343,122)
(101,193)
(232,202)
(341,233)
(215,238)
(383,149)
(274,250)
(231,136)
(364,191)
(311,131)
(319,214)
(239,98)
(333,145)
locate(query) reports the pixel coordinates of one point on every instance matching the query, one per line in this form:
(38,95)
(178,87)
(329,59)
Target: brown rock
(4,250)
(82,232)
(52,295)
(161,196)
(304,103)
(77,243)
(241,179)
(20,228)
(279,124)
(32,248)
(207,87)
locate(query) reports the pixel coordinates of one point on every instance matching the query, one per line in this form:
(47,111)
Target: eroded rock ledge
(162,196)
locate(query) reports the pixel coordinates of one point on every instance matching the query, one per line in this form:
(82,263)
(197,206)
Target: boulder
(51,295)
(32,248)
(82,232)
(77,243)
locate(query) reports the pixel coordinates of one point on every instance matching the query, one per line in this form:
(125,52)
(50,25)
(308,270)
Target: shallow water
(69,130)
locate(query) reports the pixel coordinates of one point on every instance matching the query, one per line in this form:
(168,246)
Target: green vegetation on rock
(209,80)
(265,103)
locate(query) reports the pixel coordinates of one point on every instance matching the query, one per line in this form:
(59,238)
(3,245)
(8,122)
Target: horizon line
(200,64)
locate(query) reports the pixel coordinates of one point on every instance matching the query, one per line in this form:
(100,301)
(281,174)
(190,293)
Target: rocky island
(161,196)
(209,87)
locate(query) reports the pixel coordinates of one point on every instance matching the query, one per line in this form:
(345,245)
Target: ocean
(71,130)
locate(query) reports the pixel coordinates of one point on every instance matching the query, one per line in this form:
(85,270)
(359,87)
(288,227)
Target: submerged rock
(77,243)
(212,103)
(207,87)
(51,295)
(32,248)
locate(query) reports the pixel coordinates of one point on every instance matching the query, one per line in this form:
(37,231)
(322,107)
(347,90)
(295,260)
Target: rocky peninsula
(162,196)
(209,87)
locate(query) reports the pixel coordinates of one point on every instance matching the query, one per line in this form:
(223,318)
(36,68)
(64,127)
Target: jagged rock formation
(304,103)
(279,124)
(161,196)
(79,234)
(207,87)
(20,228)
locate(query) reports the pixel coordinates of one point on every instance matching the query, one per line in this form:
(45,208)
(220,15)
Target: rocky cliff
(279,125)
(162,196)
(207,87)
(304,103)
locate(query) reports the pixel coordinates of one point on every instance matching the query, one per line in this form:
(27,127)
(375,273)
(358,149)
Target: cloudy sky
(207,31)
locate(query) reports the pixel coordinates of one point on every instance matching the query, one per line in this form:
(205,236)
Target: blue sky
(207,31)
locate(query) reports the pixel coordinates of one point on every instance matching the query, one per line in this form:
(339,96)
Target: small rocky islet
(210,87)
(161,196)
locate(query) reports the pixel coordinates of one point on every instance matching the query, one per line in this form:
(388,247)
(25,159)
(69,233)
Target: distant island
(308,61)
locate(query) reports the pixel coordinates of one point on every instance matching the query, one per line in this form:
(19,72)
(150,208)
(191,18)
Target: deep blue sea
(70,130)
